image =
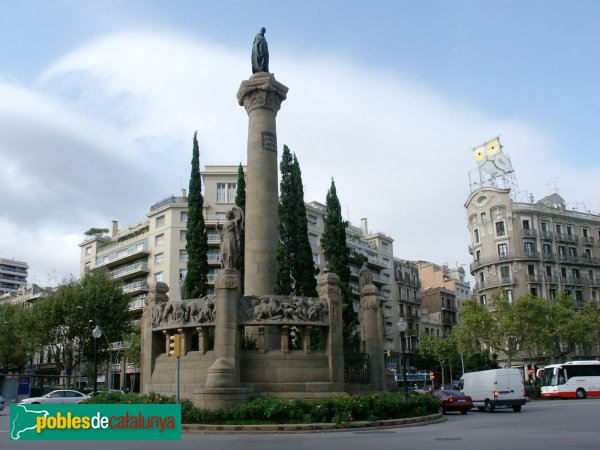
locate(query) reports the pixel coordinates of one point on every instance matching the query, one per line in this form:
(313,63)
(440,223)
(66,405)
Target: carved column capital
(262,90)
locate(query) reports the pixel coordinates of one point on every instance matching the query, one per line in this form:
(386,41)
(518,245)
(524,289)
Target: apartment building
(13,275)
(537,248)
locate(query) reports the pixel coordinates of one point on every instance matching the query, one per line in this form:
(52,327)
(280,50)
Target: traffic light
(175,345)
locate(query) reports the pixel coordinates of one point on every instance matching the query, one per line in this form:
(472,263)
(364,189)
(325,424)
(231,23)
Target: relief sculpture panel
(282,310)
(183,313)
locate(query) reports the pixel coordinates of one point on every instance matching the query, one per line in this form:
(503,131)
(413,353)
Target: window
(585,232)
(88,251)
(579,297)
(483,300)
(182,274)
(552,294)
(533,291)
(159,240)
(558,228)
(160,221)
(563,272)
(477,255)
(525,224)
(159,276)
(588,253)
(562,251)
(547,249)
(221,215)
(476,232)
(549,271)
(385,247)
(529,249)
(544,226)
(183,235)
(226,192)
(87,266)
(500,231)
(312,219)
(313,238)
(505,273)
(576,274)
(569,230)
(502,250)
(183,255)
(212,235)
(315,257)
(573,252)
(183,216)
(530,270)
(159,258)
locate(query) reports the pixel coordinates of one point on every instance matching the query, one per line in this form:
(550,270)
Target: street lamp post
(402,325)
(110,369)
(96,333)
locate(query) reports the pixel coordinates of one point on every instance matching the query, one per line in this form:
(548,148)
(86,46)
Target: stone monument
(261,96)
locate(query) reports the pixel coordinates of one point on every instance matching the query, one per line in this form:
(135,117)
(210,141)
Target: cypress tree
(284,281)
(304,270)
(337,255)
(196,280)
(240,200)
(295,268)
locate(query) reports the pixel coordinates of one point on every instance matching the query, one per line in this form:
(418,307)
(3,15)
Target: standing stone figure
(364,276)
(230,237)
(260,53)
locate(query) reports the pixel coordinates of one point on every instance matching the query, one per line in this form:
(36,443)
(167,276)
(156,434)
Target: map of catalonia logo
(95,422)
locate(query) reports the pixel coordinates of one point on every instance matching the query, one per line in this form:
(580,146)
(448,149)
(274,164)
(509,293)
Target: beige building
(537,248)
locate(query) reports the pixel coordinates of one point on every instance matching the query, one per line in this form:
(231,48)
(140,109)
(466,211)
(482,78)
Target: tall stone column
(261,96)
(370,322)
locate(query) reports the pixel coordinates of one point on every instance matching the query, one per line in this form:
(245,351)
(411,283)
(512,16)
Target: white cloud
(108,130)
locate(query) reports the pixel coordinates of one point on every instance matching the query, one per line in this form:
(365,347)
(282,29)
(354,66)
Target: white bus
(573,379)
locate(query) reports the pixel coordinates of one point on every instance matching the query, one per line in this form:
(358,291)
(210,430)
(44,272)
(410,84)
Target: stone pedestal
(151,345)
(261,96)
(372,333)
(222,387)
(329,290)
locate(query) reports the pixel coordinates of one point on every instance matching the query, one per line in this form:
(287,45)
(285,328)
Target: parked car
(453,401)
(494,388)
(57,397)
(2,403)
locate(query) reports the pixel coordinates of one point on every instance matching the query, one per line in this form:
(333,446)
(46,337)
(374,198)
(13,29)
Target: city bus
(573,379)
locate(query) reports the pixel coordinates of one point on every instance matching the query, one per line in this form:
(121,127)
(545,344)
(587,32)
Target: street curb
(311,427)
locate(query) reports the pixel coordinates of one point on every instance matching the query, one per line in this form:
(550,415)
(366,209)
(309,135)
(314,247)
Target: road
(558,424)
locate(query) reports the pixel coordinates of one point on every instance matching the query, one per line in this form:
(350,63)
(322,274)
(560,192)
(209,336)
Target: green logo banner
(95,422)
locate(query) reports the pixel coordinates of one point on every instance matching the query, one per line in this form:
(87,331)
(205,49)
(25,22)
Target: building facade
(537,248)
(13,275)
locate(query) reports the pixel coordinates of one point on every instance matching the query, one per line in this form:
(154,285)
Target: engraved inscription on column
(269,141)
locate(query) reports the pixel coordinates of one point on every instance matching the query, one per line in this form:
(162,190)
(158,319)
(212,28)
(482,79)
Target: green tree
(333,243)
(14,348)
(65,319)
(295,268)
(240,200)
(196,280)
(133,352)
(441,350)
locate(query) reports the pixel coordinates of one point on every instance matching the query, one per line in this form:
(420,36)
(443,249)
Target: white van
(494,388)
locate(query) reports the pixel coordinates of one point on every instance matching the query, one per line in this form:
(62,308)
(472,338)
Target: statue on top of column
(260,53)
(365,276)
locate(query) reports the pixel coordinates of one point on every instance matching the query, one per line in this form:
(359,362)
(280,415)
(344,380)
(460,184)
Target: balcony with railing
(570,280)
(535,278)
(548,256)
(129,270)
(566,237)
(129,253)
(494,281)
(168,201)
(137,287)
(530,232)
(588,240)
(546,235)
(136,305)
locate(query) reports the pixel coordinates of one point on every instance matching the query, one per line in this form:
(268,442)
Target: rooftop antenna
(553,185)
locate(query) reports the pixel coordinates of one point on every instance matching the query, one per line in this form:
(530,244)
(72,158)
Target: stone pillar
(202,339)
(306,339)
(151,345)
(370,320)
(285,339)
(224,372)
(261,96)
(329,291)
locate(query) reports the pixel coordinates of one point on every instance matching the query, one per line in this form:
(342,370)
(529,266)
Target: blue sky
(99,101)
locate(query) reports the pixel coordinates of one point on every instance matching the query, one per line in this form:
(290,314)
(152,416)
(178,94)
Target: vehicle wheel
(463,412)
(480,408)
(516,408)
(580,394)
(489,407)
(35,403)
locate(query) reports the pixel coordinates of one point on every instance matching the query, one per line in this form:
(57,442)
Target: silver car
(57,397)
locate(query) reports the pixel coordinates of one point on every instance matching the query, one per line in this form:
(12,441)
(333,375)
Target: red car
(453,401)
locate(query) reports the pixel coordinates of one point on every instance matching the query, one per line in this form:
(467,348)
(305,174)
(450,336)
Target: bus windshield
(549,377)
